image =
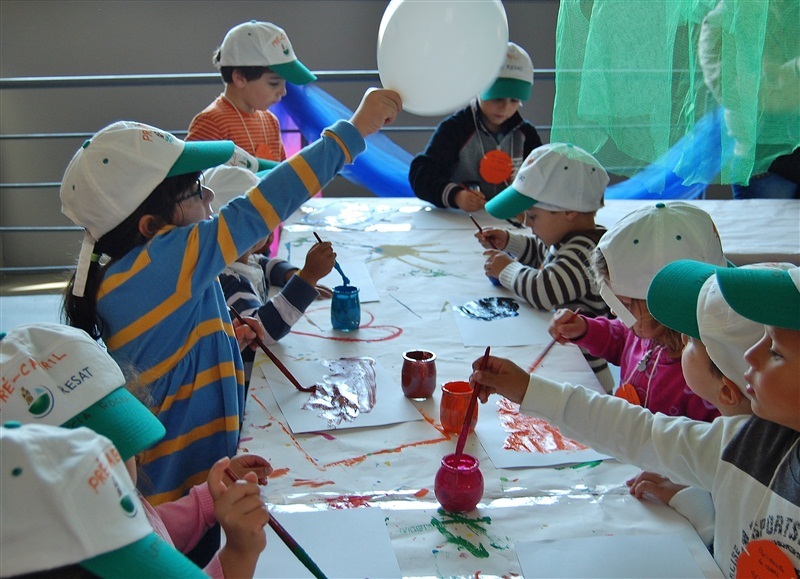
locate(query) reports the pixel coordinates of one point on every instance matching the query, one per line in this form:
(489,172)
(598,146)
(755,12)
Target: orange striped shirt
(258,133)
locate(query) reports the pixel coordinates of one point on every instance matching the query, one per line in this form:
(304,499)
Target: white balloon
(439,54)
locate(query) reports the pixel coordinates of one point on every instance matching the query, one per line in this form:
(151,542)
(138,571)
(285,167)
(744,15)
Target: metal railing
(145,80)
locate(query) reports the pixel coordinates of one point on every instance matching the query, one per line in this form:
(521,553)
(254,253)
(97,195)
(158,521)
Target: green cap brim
(124,420)
(147,558)
(508,203)
(766,296)
(508,88)
(265,166)
(294,72)
(200,155)
(673,294)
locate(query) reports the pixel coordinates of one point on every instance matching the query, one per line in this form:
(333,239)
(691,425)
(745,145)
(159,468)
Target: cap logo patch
(40,402)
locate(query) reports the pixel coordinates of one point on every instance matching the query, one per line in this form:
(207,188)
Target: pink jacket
(657,378)
(183,522)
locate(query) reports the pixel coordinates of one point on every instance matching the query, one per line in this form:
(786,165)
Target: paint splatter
(474,526)
(348,391)
(528,434)
(314,484)
(348,502)
(489,309)
(279,472)
(385,332)
(421,493)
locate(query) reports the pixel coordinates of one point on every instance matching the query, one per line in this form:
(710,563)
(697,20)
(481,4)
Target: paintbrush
(275,360)
(336,265)
(287,539)
(473,401)
(548,347)
(480,230)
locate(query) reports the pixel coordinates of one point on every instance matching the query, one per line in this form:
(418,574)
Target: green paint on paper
(590,464)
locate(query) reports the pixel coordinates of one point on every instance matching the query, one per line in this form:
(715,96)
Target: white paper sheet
(359,277)
(636,556)
(341,542)
(559,364)
(435,218)
(528,327)
(390,406)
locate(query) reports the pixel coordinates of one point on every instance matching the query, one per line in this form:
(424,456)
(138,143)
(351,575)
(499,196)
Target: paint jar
(345,308)
(494,281)
(418,375)
(453,407)
(458,485)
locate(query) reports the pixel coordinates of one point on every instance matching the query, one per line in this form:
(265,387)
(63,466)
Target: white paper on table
(391,406)
(342,543)
(359,276)
(560,364)
(528,327)
(608,556)
(436,218)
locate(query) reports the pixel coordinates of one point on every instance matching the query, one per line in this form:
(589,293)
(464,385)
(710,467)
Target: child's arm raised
(379,107)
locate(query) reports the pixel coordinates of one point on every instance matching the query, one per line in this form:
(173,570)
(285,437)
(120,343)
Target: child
(255,60)
(474,153)
(625,261)
(558,190)
(749,464)
(150,289)
(247,281)
(59,376)
(82,525)
(686,297)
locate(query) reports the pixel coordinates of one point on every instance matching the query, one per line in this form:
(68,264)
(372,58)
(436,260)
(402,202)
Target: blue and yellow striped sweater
(164,314)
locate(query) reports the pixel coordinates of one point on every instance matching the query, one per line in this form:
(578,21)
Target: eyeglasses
(196,191)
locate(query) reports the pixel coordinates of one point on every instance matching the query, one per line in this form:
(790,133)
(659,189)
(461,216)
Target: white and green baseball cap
(257,43)
(57,375)
(67,499)
(515,80)
(554,177)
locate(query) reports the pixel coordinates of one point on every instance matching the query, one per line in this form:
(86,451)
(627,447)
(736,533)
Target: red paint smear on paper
(393,331)
(359,459)
(348,502)
(279,472)
(421,493)
(528,434)
(303,482)
(325,435)
(285,430)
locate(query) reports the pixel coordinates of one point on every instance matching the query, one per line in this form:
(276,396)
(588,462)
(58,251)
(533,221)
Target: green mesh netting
(633,77)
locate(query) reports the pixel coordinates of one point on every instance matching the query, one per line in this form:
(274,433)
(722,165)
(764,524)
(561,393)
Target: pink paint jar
(458,485)
(453,407)
(418,375)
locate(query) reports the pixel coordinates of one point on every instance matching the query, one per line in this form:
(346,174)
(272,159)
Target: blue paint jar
(345,308)
(494,280)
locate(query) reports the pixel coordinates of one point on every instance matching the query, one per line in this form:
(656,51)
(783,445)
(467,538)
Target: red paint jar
(453,407)
(418,375)
(458,485)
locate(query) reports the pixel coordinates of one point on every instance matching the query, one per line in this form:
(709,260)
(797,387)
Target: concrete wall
(113,37)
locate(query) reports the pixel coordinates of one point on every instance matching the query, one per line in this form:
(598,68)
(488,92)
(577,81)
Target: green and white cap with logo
(257,43)
(57,375)
(515,80)
(554,177)
(769,296)
(67,499)
(686,296)
(117,169)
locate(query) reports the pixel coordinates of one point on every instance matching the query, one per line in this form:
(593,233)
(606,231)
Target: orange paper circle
(763,558)
(628,392)
(496,167)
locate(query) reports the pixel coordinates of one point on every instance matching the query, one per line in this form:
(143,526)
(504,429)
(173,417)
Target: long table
(422,261)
